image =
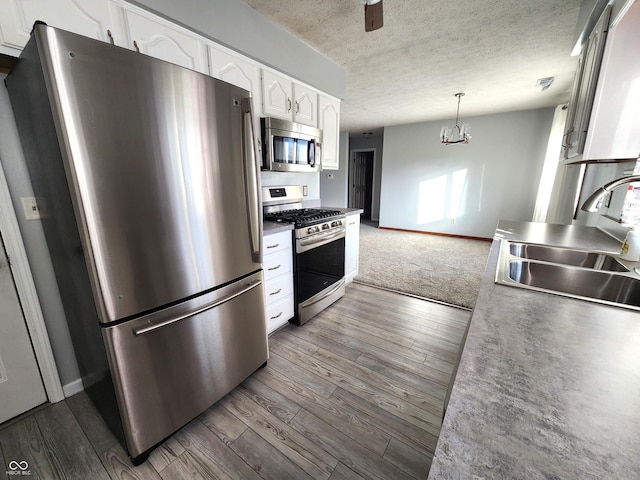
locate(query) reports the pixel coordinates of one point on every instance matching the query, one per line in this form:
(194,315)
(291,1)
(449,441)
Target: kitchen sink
(585,275)
(567,256)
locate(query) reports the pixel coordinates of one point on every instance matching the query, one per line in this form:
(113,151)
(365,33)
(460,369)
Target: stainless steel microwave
(290,147)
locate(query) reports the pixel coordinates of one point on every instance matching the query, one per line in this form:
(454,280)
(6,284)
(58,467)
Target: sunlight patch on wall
(458,184)
(442,194)
(431,200)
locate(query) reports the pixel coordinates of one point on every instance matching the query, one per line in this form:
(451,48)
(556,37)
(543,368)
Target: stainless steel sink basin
(566,256)
(592,276)
(589,284)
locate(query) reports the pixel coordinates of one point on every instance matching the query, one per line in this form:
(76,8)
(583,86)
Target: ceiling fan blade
(372,16)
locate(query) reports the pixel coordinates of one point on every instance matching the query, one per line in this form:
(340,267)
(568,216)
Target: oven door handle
(319,240)
(329,293)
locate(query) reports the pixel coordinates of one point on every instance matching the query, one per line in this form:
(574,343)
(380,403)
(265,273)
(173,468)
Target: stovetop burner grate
(303,216)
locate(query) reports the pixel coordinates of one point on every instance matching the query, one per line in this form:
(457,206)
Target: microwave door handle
(318,159)
(311,153)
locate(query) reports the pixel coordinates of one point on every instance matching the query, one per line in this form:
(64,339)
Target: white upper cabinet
(283,98)
(233,68)
(89,18)
(161,39)
(305,105)
(329,123)
(584,88)
(238,70)
(614,131)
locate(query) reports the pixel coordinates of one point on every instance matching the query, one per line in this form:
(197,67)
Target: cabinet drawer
(277,242)
(278,288)
(277,264)
(279,313)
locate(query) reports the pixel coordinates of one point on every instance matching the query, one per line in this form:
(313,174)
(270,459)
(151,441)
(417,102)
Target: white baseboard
(72,388)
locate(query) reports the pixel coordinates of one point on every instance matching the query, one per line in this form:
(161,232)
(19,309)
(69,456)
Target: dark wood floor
(355,393)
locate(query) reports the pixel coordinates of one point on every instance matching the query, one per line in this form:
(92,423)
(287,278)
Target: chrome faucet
(591,204)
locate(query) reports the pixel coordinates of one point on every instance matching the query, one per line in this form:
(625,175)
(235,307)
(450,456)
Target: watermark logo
(18,468)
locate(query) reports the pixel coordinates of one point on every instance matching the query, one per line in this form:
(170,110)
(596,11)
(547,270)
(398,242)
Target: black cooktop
(303,216)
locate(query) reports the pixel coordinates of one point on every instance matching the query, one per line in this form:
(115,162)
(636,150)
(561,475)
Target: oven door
(319,273)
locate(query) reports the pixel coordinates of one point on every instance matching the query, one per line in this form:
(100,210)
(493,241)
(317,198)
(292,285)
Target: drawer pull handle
(274,268)
(276,316)
(276,292)
(273,246)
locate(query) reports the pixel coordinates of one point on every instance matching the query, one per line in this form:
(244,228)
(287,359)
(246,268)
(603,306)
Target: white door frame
(27,294)
(373,181)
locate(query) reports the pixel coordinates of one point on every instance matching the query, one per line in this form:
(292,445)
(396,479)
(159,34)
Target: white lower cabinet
(278,279)
(352,247)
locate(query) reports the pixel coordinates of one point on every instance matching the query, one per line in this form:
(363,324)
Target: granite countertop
(269,228)
(346,211)
(548,387)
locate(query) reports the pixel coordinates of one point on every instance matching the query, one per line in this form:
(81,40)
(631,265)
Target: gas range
(284,205)
(309,221)
(319,248)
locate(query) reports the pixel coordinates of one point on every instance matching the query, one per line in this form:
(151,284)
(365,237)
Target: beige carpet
(446,269)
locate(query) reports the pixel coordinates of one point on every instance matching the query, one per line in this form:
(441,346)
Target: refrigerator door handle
(251,171)
(209,306)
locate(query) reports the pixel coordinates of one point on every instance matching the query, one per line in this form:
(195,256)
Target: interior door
(21,387)
(362,181)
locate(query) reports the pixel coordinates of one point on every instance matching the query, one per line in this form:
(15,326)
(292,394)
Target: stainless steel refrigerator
(147,179)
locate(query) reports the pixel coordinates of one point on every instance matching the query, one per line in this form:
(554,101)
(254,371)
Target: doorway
(21,387)
(361,170)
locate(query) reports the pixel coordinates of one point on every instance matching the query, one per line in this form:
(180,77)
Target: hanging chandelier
(462,131)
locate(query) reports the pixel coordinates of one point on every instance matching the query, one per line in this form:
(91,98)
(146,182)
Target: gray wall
(238,26)
(496,174)
(376,142)
(35,245)
(333,191)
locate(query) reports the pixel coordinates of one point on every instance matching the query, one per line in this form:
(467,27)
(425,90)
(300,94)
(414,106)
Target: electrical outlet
(305,190)
(31,208)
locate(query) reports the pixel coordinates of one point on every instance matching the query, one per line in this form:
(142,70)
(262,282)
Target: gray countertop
(548,387)
(269,228)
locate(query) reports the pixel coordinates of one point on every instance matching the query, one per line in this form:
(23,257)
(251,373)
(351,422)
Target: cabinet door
(591,70)
(234,69)
(158,38)
(90,19)
(569,139)
(614,130)
(276,95)
(584,88)
(329,123)
(352,248)
(305,105)
(239,71)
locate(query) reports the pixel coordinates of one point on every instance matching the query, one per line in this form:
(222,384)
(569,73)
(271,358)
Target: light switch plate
(31,208)
(305,190)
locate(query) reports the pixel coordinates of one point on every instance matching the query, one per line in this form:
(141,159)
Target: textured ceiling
(410,69)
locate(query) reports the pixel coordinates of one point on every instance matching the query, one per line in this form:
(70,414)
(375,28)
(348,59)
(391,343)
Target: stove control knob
(333,224)
(310,230)
(317,229)
(325,226)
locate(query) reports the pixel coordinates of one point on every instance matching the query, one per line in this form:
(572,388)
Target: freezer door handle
(204,308)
